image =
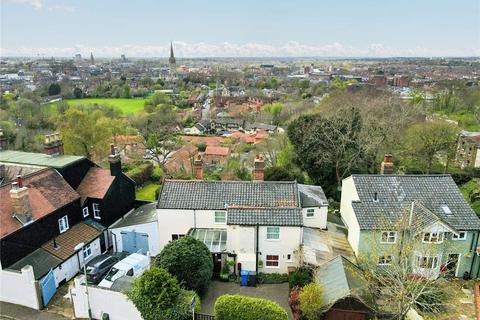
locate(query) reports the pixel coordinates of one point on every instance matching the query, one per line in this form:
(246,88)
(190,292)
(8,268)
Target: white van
(132,266)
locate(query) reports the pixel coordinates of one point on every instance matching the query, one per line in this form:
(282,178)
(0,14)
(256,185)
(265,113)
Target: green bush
(141,173)
(228,307)
(300,277)
(157,174)
(272,277)
(189,260)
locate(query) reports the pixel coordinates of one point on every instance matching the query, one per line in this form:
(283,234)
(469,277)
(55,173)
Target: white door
(70,267)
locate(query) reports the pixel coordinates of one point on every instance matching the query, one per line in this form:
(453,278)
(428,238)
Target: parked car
(132,266)
(98,267)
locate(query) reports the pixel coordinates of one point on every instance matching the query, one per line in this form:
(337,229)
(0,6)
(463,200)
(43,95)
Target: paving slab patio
(274,292)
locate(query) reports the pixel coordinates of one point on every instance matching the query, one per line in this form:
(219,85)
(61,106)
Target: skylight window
(447,210)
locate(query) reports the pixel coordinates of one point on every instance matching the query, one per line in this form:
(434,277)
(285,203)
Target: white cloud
(42,4)
(36,4)
(227,49)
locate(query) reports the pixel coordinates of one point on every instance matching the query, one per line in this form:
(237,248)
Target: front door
(452,264)
(217,263)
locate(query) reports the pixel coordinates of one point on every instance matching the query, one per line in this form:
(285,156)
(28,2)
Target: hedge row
(141,173)
(228,307)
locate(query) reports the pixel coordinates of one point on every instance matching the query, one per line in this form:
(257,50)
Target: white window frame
(391,237)
(433,237)
(385,260)
(310,213)
(429,260)
(85,212)
(270,233)
(223,220)
(179,236)
(87,252)
(277,261)
(63,224)
(96,211)
(459,237)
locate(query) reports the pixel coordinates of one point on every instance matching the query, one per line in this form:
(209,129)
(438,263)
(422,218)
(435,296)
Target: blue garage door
(47,287)
(134,242)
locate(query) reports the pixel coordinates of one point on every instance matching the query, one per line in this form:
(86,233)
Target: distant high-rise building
(172,63)
(123,57)
(92,61)
(78,57)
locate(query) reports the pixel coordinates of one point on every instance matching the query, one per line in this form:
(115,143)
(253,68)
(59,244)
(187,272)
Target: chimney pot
(198,167)
(259,168)
(387,166)
(20,181)
(112,149)
(15,186)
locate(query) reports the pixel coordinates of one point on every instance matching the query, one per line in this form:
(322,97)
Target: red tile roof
(219,151)
(47,191)
(96,183)
(209,141)
(67,241)
(182,158)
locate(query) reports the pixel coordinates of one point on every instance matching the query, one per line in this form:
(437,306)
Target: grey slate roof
(41,261)
(396,192)
(218,195)
(312,196)
(339,279)
(143,214)
(265,216)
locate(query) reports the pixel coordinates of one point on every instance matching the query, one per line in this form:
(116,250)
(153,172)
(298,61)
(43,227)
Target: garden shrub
(311,301)
(141,173)
(300,277)
(189,260)
(228,307)
(294,302)
(272,278)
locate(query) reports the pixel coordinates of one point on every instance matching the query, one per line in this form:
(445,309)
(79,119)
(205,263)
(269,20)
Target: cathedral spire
(172,56)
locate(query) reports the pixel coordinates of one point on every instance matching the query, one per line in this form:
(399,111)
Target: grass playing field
(127,106)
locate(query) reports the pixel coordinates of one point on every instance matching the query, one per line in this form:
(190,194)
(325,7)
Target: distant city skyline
(214,28)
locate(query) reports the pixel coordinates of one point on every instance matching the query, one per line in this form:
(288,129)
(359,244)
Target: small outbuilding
(345,291)
(137,232)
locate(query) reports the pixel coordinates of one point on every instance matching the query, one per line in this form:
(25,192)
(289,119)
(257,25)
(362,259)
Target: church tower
(172,64)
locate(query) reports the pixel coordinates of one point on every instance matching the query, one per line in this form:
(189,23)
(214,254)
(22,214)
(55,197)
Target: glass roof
(214,239)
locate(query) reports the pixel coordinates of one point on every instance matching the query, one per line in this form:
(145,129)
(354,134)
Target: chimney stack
(387,166)
(53,144)
(115,161)
(3,141)
(20,201)
(259,169)
(198,167)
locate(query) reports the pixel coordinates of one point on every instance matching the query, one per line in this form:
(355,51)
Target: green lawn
(147,192)
(468,189)
(127,106)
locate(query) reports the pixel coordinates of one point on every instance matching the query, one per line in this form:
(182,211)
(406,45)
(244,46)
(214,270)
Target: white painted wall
(69,268)
(20,287)
(102,301)
(349,194)
(319,220)
(149,228)
(477,159)
(172,221)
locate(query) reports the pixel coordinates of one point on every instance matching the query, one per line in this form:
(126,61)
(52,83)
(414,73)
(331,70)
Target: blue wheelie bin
(244,278)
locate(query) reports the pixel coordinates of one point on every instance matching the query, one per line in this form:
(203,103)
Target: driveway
(274,292)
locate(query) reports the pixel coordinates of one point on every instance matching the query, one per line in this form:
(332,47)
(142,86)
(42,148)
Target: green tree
(126,91)
(425,142)
(54,89)
(311,301)
(189,260)
(77,93)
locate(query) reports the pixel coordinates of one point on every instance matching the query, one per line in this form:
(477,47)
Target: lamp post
(77,249)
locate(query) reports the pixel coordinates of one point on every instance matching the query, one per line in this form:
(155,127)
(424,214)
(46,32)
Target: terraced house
(384,212)
(255,223)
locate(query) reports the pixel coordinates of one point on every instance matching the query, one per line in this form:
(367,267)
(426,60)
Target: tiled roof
(312,196)
(220,151)
(47,191)
(10,171)
(96,183)
(143,214)
(38,159)
(396,192)
(265,216)
(218,195)
(67,241)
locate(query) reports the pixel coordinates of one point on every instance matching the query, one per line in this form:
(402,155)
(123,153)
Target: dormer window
(433,237)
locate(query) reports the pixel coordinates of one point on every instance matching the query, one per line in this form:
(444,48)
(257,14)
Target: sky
(240,28)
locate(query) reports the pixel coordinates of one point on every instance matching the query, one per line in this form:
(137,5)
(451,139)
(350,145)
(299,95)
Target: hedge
(141,173)
(272,278)
(228,307)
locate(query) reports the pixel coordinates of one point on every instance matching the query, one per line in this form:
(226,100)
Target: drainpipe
(473,249)
(256,255)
